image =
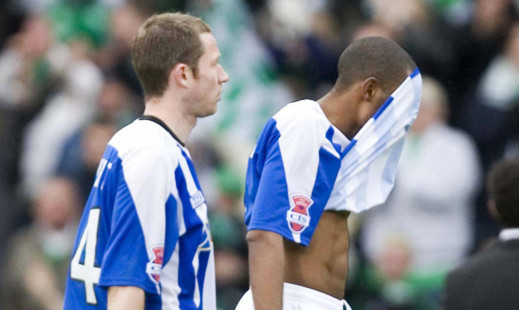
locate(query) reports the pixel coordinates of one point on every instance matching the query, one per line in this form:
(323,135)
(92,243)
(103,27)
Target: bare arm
(125,298)
(266,269)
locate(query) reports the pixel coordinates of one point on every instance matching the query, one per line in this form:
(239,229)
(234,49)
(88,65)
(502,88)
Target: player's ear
(181,75)
(370,89)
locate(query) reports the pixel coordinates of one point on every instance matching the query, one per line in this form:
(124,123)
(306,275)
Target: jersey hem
(276,230)
(128,282)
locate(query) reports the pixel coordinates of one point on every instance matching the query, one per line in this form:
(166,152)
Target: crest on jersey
(298,217)
(154,267)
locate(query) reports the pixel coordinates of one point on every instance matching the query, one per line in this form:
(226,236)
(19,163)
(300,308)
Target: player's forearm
(125,298)
(267,266)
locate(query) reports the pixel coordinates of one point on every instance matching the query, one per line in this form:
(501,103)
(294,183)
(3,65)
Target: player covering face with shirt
(314,163)
(144,240)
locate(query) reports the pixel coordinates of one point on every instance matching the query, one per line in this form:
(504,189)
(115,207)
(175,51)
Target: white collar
(509,234)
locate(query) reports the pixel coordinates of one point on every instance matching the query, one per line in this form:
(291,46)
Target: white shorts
(296,297)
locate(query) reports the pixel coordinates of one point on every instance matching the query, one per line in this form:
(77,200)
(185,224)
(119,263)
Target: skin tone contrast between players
(144,240)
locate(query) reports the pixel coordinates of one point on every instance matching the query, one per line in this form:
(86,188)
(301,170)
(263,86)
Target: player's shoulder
(144,136)
(301,114)
(483,260)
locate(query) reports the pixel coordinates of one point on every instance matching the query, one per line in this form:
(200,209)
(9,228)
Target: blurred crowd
(67,85)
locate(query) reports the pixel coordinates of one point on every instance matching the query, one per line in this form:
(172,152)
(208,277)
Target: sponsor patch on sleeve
(298,217)
(154,267)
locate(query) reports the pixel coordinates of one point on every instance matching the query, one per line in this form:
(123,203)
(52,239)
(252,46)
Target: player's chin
(208,112)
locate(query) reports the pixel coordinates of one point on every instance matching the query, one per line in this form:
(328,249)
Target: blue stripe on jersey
(415,72)
(348,148)
(171,228)
(255,166)
(192,170)
(121,257)
(327,172)
(267,207)
(383,107)
(204,259)
(329,136)
(188,245)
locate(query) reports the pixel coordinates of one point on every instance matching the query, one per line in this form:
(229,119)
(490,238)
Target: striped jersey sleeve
(292,171)
(138,226)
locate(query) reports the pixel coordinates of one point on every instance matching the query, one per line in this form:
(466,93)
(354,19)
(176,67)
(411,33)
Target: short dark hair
(503,189)
(163,41)
(375,57)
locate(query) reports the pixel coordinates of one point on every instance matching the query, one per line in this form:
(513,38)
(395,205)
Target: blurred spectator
(82,152)
(117,103)
(38,255)
(25,80)
(420,31)
(9,215)
(19,61)
(374,29)
(114,57)
(455,12)
(489,279)
(86,20)
(36,5)
(11,17)
(476,44)
(494,103)
(305,41)
(498,95)
(498,85)
(30,66)
(67,110)
(79,157)
(430,209)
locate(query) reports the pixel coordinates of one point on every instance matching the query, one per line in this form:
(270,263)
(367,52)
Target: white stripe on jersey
(169,279)
(155,160)
(192,189)
(301,181)
(196,296)
(209,285)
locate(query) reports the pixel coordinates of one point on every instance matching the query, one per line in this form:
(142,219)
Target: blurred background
(67,85)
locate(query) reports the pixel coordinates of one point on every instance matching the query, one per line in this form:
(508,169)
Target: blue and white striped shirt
(303,165)
(144,225)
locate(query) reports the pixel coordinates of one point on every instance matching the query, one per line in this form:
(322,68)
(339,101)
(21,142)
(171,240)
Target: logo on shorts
(154,267)
(298,217)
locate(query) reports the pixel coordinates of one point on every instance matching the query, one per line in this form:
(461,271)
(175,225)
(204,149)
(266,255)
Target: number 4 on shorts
(87,272)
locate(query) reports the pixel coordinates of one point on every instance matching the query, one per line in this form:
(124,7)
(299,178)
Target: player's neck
(341,111)
(173,115)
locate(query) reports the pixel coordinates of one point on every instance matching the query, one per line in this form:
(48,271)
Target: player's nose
(224,77)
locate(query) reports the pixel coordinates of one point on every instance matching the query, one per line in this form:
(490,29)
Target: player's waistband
(311,297)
